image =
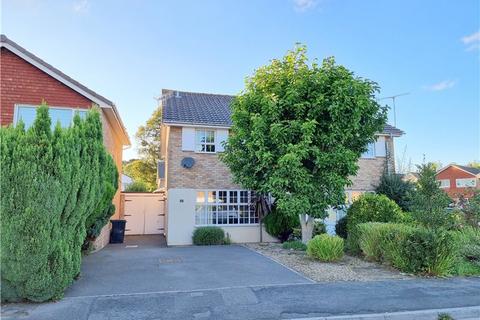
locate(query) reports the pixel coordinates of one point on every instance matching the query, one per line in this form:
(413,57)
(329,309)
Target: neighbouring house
(457,180)
(26,81)
(126,180)
(198,186)
(410,177)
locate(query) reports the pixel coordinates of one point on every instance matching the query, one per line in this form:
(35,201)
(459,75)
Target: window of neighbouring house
(63,115)
(225,207)
(205,140)
(444,183)
(370,153)
(466,183)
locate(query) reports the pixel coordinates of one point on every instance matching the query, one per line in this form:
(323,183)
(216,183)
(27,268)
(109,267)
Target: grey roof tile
(472,170)
(180,107)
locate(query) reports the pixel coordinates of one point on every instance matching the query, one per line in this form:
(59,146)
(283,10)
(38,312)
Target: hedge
(370,208)
(55,185)
(205,236)
(411,249)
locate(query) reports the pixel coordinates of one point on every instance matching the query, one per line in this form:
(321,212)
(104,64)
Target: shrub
(204,236)
(429,202)
(341,227)
(280,225)
(411,249)
(294,245)
(136,186)
(325,248)
(396,189)
(370,208)
(467,248)
(53,186)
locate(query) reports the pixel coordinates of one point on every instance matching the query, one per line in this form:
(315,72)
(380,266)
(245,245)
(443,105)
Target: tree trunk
(306,222)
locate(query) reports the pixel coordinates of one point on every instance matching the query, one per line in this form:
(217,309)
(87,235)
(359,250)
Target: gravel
(348,269)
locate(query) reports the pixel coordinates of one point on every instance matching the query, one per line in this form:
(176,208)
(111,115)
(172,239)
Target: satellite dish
(188,162)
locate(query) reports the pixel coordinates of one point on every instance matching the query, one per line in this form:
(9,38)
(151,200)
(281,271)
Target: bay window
(225,207)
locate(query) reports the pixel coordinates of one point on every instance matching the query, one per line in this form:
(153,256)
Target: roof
(62,77)
(194,108)
(471,170)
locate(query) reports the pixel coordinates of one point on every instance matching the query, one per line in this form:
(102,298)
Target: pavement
(141,280)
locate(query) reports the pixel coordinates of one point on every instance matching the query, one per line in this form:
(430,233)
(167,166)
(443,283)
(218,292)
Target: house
(457,180)
(198,186)
(26,81)
(410,177)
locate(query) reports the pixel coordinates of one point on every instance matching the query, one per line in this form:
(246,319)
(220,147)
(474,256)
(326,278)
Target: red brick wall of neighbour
(453,173)
(23,83)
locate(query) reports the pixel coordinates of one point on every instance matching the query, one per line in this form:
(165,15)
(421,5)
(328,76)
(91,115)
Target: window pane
(199,214)
(222,196)
(82,113)
(244,213)
(232,214)
(210,148)
(27,115)
(64,116)
(233,197)
(200,197)
(243,196)
(222,214)
(370,153)
(211,196)
(210,136)
(200,136)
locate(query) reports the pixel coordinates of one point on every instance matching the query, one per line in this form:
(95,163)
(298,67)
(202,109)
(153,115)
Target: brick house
(198,186)
(458,180)
(26,81)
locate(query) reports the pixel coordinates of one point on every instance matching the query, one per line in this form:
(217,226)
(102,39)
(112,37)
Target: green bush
(137,186)
(341,227)
(411,249)
(396,189)
(54,185)
(294,245)
(325,248)
(205,236)
(280,225)
(370,208)
(467,248)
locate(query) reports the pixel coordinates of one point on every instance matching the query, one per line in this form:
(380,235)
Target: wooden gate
(144,212)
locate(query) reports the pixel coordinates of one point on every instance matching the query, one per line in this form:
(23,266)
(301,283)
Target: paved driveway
(142,266)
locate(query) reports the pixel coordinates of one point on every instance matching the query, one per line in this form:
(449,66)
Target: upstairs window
(444,183)
(466,183)
(370,153)
(63,115)
(205,140)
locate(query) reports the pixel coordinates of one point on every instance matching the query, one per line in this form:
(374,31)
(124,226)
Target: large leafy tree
(144,170)
(298,131)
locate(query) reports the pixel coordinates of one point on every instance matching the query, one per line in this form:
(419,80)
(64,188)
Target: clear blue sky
(129,50)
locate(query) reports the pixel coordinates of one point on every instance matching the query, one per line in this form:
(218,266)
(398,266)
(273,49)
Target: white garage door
(145,213)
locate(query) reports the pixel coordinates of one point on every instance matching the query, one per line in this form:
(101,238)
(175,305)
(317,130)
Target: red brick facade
(452,173)
(23,83)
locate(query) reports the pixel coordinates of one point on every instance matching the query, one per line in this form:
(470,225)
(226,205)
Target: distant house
(410,177)
(459,180)
(26,81)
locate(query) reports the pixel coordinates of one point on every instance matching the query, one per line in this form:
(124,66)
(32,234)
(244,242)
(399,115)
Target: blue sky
(129,50)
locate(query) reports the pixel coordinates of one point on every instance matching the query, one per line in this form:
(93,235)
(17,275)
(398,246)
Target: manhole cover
(170,260)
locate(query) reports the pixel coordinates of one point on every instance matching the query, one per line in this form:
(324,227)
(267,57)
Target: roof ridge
(204,93)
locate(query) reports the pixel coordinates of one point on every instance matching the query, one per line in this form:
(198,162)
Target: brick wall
(207,173)
(23,83)
(452,174)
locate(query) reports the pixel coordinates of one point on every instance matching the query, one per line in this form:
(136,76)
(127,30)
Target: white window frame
(203,220)
(463,183)
(20,105)
(367,154)
(213,144)
(444,183)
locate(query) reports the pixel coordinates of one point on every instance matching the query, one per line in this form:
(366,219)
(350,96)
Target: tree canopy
(298,130)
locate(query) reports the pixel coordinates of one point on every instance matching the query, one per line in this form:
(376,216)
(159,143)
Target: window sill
(228,225)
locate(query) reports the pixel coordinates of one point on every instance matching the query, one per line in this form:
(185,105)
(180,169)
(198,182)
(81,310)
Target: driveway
(142,265)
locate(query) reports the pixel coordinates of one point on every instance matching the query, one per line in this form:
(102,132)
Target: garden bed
(348,269)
